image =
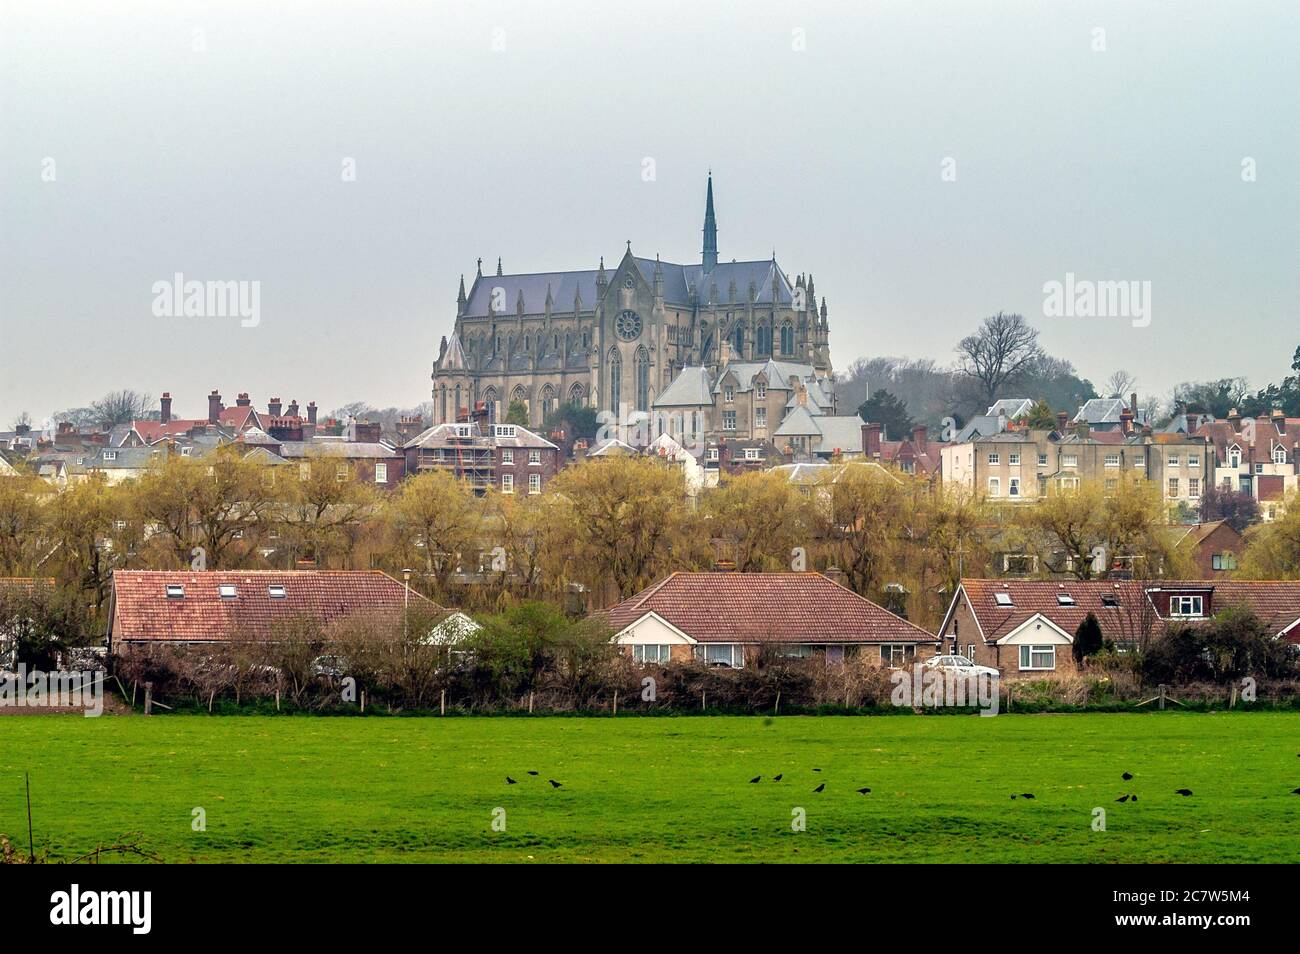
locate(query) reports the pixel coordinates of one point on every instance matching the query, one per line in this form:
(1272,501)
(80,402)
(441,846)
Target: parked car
(960,665)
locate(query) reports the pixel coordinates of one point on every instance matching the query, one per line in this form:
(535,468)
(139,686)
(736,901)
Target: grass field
(661,789)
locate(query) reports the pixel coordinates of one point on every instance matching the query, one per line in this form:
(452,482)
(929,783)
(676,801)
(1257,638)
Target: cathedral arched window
(577,395)
(738,341)
(490,402)
(642,380)
(615,379)
(763,344)
(787,338)
(548,402)
(456,407)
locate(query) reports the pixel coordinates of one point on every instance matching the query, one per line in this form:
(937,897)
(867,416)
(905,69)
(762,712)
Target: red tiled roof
(766,607)
(142,610)
(1275,602)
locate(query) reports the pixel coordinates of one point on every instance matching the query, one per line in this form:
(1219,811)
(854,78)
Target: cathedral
(617,338)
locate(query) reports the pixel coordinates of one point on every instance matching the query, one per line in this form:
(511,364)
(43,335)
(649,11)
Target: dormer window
(1064,599)
(227,591)
(1279,454)
(275,591)
(1187,606)
(175,591)
(1003,599)
(1234,457)
(110,455)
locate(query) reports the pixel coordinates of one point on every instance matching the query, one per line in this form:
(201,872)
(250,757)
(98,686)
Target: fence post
(277,699)
(443,705)
(615,702)
(148,698)
(1162,696)
(704,696)
(776,710)
(530,702)
(1232,701)
(363,701)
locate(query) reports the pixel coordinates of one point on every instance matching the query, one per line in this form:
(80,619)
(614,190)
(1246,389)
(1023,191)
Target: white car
(960,665)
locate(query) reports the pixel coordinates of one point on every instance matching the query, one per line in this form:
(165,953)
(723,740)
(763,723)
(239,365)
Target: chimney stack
(293,407)
(242,400)
(919,434)
(1062,420)
(166,405)
(311,412)
(871,439)
(214,407)
(1126,421)
(274,406)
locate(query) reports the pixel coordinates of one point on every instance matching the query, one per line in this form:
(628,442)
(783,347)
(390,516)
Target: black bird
(510,781)
(1183,792)
(755,779)
(1122,798)
(863,791)
(820,787)
(1295,791)
(1127,777)
(1135,798)
(816,770)
(1026,795)
(777,778)
(530,772)
(554,783)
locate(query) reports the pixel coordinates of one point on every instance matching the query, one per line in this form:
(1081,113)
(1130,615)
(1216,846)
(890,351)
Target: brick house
(357,454)
(1216,547)
(506,457)
(186,607)
(727,618)
(1257,456)
(1028,626)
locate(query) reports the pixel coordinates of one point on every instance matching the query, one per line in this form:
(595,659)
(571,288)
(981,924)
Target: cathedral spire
(498,264)
(460,299)
(710,253)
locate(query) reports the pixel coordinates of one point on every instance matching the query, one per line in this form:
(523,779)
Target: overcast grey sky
(209,139)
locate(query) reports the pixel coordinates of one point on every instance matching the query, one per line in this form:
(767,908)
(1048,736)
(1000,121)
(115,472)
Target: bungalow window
(1186,606)
(722,654)
(275,591)
(175,591)
(652,653)
(1037,657)
(381,473)
(897,654)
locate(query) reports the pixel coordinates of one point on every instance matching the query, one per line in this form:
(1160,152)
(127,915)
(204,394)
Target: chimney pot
(214,407)
(165,405)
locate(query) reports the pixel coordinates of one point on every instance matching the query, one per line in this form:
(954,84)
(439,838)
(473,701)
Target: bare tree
(1120,384)
(1003,347)
(121,407)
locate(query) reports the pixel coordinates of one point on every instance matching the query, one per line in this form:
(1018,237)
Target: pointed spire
(709,257)
(460,298)
(480,266)
(549,300)
(499,265)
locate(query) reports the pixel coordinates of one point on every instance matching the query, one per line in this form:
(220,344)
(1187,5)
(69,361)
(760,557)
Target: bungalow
(726,618)
(185,607)
(1028,626)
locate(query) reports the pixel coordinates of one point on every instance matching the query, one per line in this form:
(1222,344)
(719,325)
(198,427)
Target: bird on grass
(820,787)
(1024,795)
(777,778)
(531,772)
(1122,798)
(756,778)
(864,791)
(510,781)
(1183,792)
(554,783)
(1295,791)
(816,770)
(1127,777)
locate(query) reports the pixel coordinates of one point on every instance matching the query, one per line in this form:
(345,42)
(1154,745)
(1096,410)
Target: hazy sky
(210,139)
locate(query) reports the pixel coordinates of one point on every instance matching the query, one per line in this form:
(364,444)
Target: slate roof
(1100,411)
(766,607)
(142,611)
(1011,407)
(563,286)
(692,387)
(442,435)
(350,450)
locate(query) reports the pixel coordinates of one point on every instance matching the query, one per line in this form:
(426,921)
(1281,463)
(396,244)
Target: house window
(1037,657)
(227,591)
(760,417)
(507,483)
(1013,487)
(1112,460)
(1224,561)
(751,453)
(507,456)
(1173,460)
(1069,460)
(341,474)
(728,394)
(728,420)
(897,654)
(1193,460)
(1173,486)
(1140,460)
(1193,487)
(713,453)
(994,459)
(1279,454)
(1186,606)
(995,487)
(381,472)
(1042,460)
(652,654)
(760,392)
(722,654)
(1234,458)
(110,455)
(534,458)
(534,483)
(1112,484)
(1013,460)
